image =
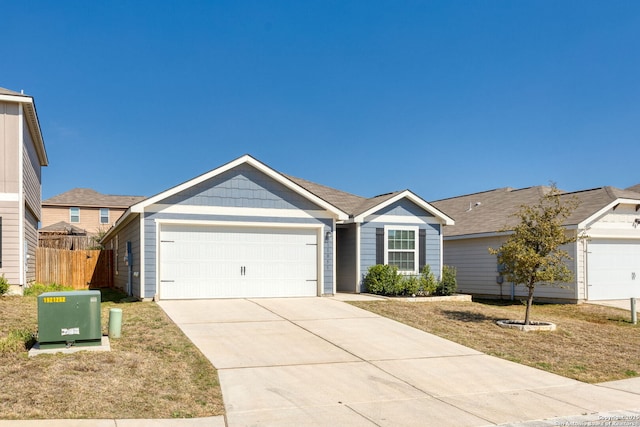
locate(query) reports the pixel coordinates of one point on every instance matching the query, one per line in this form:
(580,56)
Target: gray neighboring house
(23,156)
(606,266)
(247,230)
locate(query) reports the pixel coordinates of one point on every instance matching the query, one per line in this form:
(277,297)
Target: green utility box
(69,318)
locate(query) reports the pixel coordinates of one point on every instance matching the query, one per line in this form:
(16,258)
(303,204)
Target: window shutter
(379,245)
(422,248)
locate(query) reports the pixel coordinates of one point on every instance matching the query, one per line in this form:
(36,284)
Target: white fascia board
(444,219)
(22,99)
(247,224)
(493,234)
(593,218)
(140,207)
(479,235)
(238,211)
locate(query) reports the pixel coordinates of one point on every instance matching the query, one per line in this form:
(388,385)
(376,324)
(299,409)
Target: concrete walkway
(319,361)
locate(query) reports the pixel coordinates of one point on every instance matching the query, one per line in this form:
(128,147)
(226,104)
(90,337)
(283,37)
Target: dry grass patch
(592,343)
(152,371)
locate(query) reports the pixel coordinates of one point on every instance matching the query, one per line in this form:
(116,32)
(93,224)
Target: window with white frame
(74,215)
(104,215)
(401,248)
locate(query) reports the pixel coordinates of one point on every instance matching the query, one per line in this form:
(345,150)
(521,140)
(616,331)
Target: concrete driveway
(320,361)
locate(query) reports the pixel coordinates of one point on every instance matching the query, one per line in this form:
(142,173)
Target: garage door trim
(248,225)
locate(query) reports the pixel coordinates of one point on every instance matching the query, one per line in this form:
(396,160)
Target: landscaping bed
(152,371)
(591,343)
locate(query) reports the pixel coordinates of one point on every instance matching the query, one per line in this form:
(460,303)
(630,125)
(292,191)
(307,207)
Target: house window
(74,214)
(401,248)
(104,215)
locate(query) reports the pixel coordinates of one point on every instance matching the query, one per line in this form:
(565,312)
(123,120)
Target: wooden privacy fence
(78,269)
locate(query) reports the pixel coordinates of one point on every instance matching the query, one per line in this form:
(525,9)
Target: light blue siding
(243,186)
(129,233)
(401,208)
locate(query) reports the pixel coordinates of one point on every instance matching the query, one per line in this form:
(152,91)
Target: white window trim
(100,215)
(71,221)
(415,229)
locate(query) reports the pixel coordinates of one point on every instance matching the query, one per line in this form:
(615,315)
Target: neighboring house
(606,265)
(85,209)
(247,230)
(23,156)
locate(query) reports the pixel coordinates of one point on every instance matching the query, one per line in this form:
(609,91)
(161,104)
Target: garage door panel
(613,268)
(226,262)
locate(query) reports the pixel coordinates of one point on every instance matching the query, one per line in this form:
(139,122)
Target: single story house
(247,230)
(606,265)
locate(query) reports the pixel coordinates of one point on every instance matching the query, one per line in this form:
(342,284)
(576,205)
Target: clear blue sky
(442,97)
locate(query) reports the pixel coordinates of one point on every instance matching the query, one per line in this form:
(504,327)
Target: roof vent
(471,206)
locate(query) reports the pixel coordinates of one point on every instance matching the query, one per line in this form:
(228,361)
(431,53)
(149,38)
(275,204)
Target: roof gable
(377,203)
(248,160)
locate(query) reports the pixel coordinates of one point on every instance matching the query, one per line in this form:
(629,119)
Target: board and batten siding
(477,270)
(9,147)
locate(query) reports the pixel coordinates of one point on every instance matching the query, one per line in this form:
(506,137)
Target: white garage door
(237,262)
(613,269)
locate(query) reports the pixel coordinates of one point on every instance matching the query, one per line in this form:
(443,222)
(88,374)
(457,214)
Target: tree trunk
(527,319)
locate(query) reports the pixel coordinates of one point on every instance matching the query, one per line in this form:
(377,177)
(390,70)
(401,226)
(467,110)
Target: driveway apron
(319,361)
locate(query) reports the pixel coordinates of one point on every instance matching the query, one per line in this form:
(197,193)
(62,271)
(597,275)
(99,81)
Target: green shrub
(382,279)
(411,285)
(448,284)
(4,285)
(428,282)
(38,288)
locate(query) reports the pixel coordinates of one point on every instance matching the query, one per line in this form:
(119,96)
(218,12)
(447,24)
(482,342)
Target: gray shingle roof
(635,188)
(347,202)
(493,210)
(91,198)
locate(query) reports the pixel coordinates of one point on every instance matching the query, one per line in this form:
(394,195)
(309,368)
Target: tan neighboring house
(606,265)
(23,156)
(85,209)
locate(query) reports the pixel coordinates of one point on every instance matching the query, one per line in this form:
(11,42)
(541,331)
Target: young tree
(532,254)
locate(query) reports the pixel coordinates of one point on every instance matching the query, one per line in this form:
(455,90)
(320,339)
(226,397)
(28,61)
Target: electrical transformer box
(69,318)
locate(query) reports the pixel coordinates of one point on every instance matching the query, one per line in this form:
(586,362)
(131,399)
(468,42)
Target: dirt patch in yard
(591,344)
(152,371)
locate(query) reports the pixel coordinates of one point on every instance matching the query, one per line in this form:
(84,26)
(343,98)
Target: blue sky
(442,97)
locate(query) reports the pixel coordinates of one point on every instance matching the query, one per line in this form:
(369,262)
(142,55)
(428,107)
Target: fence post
(634,313)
